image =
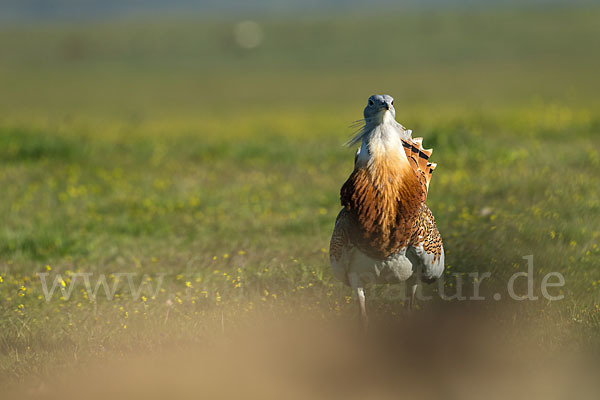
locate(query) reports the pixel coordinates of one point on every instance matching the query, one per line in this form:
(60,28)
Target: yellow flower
(1,280)
(48,268)
(188,284)
(144,299)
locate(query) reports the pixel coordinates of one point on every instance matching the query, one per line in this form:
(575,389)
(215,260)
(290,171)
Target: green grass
(161,148)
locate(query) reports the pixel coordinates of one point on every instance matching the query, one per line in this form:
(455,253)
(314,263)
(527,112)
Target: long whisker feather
(357,123)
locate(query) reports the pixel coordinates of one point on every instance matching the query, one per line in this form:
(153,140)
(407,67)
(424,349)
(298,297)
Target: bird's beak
(387,106)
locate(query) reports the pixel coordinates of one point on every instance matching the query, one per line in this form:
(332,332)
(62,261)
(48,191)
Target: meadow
(211,173)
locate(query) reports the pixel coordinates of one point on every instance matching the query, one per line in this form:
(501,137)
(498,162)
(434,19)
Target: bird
(385,233)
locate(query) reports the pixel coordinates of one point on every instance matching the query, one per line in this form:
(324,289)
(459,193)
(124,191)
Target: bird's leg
(359,291)
(413,291)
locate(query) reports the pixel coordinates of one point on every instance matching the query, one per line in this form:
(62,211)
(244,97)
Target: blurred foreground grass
(161,148)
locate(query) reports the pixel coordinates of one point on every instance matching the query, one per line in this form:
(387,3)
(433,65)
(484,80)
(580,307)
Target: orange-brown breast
(383,201)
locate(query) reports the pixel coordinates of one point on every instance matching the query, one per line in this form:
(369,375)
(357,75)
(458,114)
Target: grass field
(163,150)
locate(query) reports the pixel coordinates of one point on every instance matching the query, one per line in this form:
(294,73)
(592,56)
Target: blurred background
(201,141)
(135,59)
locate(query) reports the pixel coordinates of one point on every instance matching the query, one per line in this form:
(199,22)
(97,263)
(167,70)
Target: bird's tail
(418,158)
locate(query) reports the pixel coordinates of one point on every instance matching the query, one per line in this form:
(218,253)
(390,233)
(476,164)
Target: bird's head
(379,117)
(380,107)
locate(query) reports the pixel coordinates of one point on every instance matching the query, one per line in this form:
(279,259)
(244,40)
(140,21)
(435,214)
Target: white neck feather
(383,140)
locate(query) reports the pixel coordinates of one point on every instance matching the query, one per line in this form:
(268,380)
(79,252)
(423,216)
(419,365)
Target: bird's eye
(370,102)
(392,102)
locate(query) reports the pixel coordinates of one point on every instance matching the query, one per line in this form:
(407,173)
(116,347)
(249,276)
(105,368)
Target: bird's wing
(418,157)
(340,246)
(426,248)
